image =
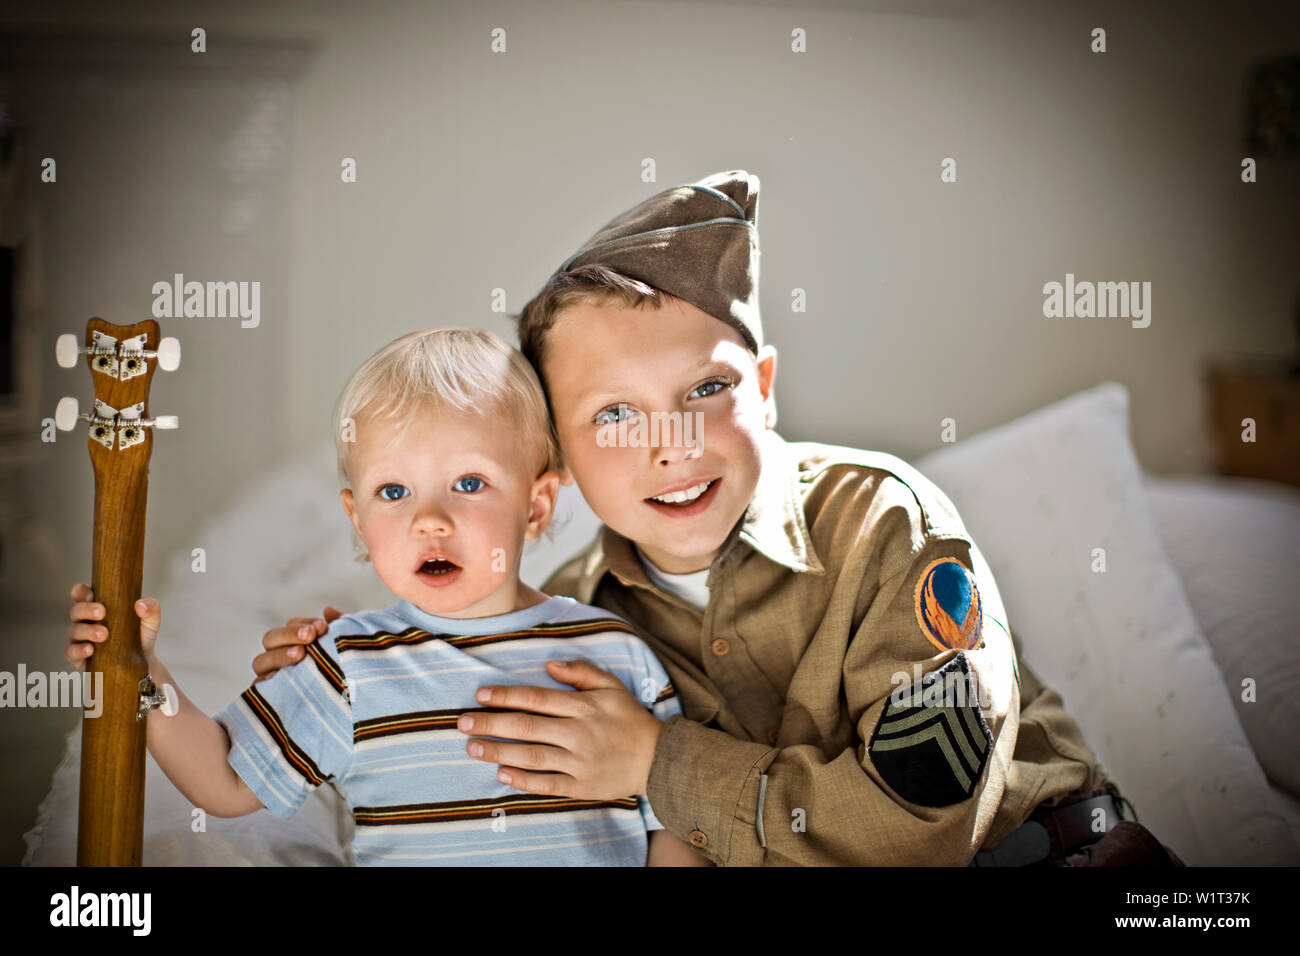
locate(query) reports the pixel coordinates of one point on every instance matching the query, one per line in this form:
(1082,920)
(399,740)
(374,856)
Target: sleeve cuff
(704,786)
(258,772)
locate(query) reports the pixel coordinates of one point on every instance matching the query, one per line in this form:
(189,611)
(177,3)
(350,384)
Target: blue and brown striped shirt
(375,706)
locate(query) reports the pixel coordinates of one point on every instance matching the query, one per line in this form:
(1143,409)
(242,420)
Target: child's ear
(765,361)
(350,506)
(546,488)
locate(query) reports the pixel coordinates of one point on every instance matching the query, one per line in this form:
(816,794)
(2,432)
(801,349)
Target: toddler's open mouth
(437,570)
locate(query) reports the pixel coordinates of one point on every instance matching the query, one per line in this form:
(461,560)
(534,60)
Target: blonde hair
(448,370)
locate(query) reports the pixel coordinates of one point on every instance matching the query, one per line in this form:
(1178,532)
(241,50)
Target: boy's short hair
(448,370)
(597,284)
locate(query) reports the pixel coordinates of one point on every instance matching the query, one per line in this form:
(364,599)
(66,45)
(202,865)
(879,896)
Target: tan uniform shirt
(840,586)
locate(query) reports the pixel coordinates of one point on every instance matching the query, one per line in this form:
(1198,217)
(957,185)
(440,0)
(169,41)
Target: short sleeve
(292,732)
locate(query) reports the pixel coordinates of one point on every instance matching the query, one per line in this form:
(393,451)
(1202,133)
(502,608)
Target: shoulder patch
(931,744)
(948,606)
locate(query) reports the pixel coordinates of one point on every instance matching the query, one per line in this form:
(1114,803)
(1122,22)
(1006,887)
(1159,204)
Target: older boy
(452,468)
(845,664)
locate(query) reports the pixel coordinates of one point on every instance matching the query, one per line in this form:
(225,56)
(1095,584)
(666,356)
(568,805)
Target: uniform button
(771,736)
(720,646)
(698,839)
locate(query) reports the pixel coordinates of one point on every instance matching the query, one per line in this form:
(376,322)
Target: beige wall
(479,171)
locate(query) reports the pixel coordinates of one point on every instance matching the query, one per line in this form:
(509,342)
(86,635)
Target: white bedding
(1235,543)
(286,549)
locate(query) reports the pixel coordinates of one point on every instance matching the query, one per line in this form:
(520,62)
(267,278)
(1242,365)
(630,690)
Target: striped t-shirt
(375,703)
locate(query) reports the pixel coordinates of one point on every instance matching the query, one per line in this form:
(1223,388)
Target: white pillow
(1235,543)
(1121,647)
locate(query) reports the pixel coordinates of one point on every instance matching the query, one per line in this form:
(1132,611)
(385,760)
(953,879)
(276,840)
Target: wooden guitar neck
(111,815)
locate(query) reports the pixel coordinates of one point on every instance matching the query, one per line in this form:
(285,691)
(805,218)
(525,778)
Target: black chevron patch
(931,745)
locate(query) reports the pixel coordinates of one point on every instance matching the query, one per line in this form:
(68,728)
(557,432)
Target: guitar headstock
(122,359)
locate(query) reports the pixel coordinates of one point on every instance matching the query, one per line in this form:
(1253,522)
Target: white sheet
(1235,543)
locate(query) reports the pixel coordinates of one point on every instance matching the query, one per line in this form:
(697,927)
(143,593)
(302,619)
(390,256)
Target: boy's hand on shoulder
(597,742)
(284,644)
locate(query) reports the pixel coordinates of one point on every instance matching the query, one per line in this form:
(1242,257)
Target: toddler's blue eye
(476,484)
(400,492)
(608,416)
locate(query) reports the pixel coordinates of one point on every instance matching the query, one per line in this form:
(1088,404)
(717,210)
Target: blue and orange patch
(948,606)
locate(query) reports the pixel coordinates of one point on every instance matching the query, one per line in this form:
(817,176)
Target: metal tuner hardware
(151,698)
(120,360)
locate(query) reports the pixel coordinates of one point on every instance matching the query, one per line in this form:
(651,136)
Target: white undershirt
(689,587)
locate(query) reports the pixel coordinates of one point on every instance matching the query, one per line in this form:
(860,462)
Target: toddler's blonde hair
(448,370)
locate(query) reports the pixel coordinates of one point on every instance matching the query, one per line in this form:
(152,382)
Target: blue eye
(401,492)
(477,483)
(718,382)
(603,417)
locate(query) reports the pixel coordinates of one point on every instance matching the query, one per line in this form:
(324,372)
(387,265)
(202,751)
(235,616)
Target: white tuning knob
(169,354)
(65,350)
(172,705)
(166,421)
(65,414)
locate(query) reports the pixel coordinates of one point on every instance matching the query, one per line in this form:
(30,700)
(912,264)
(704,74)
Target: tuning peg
(169,354)
(164,698)
(166,421)
(65,414)
(65,350)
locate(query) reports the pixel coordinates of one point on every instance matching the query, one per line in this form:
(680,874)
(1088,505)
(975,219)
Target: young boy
(819,609)
(449,464)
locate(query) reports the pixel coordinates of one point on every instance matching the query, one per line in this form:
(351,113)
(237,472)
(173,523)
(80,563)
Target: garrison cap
(697,242)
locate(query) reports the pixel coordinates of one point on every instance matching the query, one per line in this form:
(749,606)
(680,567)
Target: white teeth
(690,494)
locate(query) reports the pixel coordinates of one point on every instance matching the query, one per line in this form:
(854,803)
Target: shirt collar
(773,525)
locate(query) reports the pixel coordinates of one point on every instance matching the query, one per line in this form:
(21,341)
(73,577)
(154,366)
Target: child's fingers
(86,611)
(81,592)
(268,662)
(150,612)
(86,631)
(332,613)
(299,630)
(77,654)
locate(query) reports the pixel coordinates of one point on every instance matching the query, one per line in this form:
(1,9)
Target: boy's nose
(669,454)
(434,520)
(677,438)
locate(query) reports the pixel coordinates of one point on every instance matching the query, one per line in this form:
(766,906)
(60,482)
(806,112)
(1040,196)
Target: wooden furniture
(1263,390)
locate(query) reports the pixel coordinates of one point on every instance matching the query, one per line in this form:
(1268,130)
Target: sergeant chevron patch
(948,606)
(932,742)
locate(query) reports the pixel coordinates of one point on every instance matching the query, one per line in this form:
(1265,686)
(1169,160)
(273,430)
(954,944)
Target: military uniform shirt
(850,693)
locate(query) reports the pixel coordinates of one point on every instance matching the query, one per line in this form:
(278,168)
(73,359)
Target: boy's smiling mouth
(686,500)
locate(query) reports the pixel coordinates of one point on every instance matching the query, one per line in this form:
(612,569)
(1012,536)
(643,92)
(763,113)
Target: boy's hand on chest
(596,742)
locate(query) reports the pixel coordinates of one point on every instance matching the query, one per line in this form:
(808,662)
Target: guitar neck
(110,829)
(111,815)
